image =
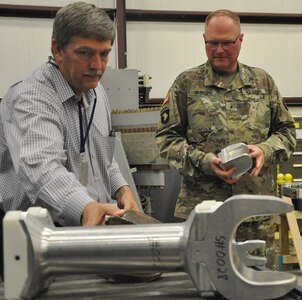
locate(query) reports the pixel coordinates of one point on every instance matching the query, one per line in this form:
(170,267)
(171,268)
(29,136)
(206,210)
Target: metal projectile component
(236,155)
(204,246)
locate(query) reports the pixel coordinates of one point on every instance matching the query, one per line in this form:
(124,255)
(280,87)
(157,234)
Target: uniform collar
(243,77)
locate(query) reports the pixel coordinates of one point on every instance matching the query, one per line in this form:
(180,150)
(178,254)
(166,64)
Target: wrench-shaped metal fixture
(204,246)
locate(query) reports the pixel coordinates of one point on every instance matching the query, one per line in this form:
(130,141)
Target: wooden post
(296,235)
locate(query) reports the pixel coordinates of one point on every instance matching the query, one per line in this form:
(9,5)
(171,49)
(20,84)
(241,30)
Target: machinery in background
(121,159)
(294,164)
(138,128)
(121,86)
(127,88)
(289,185)
(136,119)
(293,191)
(202,246)
(144,88)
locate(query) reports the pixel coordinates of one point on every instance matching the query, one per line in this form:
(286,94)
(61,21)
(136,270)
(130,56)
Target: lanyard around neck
(83,137)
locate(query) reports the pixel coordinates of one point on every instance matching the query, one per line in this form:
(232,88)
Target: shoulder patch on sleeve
(165,115)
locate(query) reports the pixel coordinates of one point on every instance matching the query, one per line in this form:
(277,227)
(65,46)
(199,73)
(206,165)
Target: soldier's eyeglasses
(225,45)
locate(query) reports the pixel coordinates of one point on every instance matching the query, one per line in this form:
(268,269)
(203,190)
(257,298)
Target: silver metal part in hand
(236,155)
(204,246)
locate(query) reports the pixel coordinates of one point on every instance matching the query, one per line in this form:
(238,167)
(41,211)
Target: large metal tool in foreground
(204,246)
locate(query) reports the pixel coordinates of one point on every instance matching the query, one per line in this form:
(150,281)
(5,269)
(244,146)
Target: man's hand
(222,172)
(94,213)
(125,198)
(257,153)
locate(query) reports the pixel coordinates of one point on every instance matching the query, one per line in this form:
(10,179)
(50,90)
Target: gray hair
(223,12)
(84,20)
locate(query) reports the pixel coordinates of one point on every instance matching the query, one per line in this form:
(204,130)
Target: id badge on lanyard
(83,170)
(83,167)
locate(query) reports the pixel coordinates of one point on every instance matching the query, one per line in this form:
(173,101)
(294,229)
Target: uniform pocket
(205,118)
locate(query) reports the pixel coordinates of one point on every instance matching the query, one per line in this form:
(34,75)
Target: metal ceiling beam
(31,11)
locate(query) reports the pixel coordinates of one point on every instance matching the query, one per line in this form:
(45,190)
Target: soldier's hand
(222,172)
(256,153)
(94,213)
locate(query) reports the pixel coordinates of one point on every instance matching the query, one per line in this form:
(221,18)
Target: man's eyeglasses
(225,45)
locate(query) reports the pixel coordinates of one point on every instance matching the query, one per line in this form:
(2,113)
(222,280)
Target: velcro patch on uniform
(166,100)
(165,115)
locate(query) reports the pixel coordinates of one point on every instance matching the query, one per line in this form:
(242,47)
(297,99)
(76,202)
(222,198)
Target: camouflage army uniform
(203,113)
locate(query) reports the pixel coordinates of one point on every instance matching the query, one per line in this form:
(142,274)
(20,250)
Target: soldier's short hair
(83,20)
(223,12)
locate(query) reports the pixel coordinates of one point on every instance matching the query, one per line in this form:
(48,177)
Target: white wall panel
(260,6)
(163,50)
(277,49)
(25,44)
(59,3)
(171,48)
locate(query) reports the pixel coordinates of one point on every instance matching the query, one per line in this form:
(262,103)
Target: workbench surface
(170,286)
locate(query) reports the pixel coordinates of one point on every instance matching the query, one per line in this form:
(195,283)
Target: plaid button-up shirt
(40,147)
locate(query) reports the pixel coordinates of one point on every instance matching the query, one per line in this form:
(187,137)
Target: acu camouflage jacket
(203,113)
